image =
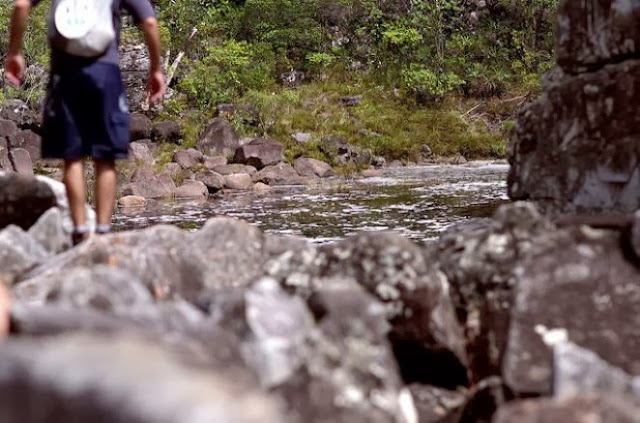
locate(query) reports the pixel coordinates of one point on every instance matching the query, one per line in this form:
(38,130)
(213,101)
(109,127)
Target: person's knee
(105,165)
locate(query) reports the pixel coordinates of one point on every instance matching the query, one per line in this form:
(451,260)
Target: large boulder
(581,409)
(28,140)
(479,257)
(140,127)
(335,345)
(140,153)
(234,168)
(592,33)
(148,185)
(157,256)
(213,181)
(260,153)
(19,253)
(231,249)
(577,148)
(8,128)
(57,380)
(23,199)
(167,131)
(185,159)
(278,174)
(578,281)
(191,189)
(19,160)
(427,339)
(219,139)
(312,167)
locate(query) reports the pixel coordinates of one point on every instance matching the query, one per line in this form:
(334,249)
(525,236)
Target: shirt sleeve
(139,9)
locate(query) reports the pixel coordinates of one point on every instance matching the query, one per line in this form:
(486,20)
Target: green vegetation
(438,72)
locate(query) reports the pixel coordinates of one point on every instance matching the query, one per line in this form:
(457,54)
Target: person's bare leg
(76,191)
(5,311)
(105,191)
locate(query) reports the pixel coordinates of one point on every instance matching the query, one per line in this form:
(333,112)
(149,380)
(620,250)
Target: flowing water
(418,202)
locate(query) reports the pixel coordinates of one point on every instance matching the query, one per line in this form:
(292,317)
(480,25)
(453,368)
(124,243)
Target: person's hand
(14,69)
(155,86)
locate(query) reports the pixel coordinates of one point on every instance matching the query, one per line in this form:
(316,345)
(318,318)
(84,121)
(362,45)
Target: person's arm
(15,65)
(155,84)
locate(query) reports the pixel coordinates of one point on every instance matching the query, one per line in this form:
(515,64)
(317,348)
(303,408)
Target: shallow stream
(418,202)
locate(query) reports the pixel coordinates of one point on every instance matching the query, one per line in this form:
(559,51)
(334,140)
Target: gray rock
(57,380)
(577,275)
(349,359)
(340,350)
(28,140)
(232,251)
(578,371)
(479,257)
(157,256)
(18,160)
(312,167)
(140,152)
(233,168)
(141,174)
(280,174)
(8,128)
(23,199)
(185,159)
(302,137)
(210,162)
(19,253)
(145,183)
(213,181)
(172,168)
(110,290)
(167,131)
(594,33)
(437,405)
(259,153)
(191,188)
(219,139)
(580,409)
(141,127)
(132,201)
(575,148)
(239,181)
(50,231)
(152,188)
(427,338)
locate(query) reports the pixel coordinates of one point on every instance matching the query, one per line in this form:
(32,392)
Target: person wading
(86,111)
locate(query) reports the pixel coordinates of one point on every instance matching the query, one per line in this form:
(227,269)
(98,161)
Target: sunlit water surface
(418,202)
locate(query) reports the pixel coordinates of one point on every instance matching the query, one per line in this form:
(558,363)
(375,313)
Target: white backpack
(81,27)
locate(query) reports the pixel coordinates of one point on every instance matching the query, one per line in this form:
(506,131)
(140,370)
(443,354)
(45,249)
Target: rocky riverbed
(228,323)
(417,202)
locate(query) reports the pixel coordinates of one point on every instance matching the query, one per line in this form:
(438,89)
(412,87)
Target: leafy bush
(227,72)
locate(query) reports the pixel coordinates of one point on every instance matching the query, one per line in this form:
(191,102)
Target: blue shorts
(86,114)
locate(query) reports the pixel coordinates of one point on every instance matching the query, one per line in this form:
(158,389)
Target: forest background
(447,74)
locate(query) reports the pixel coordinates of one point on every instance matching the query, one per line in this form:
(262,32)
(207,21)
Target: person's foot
(102,228)
(79,234)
